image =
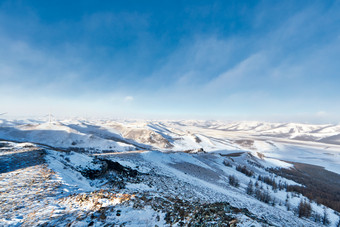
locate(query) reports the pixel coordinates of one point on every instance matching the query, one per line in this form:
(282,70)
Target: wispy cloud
(247,71)
(128,98)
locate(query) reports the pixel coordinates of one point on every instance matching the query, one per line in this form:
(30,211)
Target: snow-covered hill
(312,144)
(168,172)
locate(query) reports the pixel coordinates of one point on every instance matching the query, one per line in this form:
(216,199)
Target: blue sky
(238,60)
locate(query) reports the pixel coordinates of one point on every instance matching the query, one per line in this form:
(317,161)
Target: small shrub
(325,218)
(233,181)
(304,209)
(226,163)
(245,170)
(263,196)
(250,188)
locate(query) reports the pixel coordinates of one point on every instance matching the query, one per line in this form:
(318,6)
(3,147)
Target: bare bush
(250,188)
(245,170)
(233,181)
(304,209)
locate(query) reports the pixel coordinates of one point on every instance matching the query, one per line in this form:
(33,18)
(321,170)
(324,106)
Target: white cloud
(128,98)
(321,114)
(248,69)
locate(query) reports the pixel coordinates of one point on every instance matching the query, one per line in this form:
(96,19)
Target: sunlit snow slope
(312,144)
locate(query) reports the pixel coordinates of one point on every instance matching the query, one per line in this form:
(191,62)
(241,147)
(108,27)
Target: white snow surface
(295,142)
(183,159)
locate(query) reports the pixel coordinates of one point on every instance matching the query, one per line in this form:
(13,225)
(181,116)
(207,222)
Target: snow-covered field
(147,173)
(311,144)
